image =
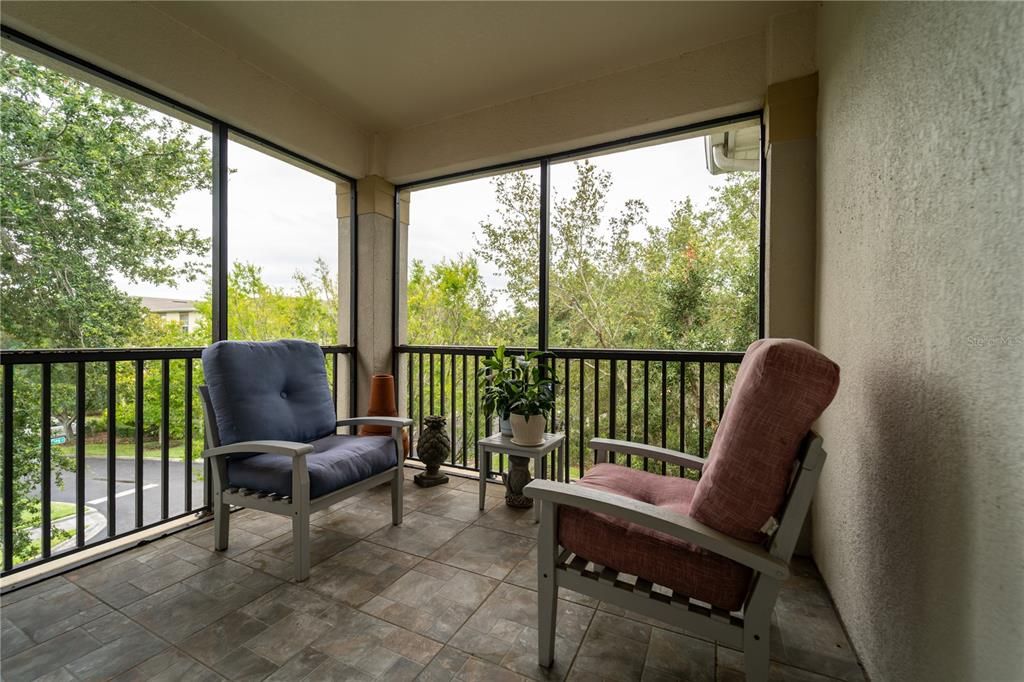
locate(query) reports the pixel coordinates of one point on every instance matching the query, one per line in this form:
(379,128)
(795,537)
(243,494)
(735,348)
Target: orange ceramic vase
(382,404)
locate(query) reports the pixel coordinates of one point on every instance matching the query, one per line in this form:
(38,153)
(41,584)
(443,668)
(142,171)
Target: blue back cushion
(273,390)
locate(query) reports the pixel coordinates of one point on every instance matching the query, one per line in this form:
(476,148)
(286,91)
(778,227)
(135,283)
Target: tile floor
(449,595)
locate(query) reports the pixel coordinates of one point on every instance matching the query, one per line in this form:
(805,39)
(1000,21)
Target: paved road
(125,491)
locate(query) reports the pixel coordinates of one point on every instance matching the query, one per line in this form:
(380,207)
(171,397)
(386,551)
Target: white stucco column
(345,301)
(791,207)
(375,208)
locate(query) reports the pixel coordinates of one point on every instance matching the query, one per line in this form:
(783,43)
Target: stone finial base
(429,480)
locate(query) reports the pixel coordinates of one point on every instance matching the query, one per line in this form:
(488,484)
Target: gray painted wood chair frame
(747,630)
(298,506)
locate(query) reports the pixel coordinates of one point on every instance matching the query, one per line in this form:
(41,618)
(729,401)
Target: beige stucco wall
(140,42)
(919,520)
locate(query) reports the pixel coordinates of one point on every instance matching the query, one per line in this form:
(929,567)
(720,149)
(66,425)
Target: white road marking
(123,493)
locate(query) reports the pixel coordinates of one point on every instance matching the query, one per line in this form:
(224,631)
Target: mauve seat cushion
(336,461)
(630,548)
(781,388)
(273,390)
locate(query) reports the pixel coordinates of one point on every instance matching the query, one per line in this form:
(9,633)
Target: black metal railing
(102,418)
(674,399)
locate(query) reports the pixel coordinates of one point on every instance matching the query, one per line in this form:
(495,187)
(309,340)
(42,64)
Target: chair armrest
(275,447)
(671,523)
(652,451)
(393,422)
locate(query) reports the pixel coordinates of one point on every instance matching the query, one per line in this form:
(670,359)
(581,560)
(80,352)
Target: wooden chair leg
(300,545)
(756,650)
(547,590)
(396,498)
(221,524)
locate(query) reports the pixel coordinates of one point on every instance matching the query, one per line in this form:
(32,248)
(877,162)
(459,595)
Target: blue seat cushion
(336,462)
(273,390)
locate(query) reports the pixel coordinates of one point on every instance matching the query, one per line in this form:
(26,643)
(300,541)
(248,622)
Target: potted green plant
(533,397)
(498,388)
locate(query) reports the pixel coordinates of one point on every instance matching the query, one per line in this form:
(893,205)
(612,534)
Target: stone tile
(50,656)
(53,612)
(125,644)
(472,485)
(444,667)
(287,637)
(323,543)
(640,618)
(808,634)
(511,604)
(370,644)
(280,569)
(358,519)
(14,640)
(357,574)
(171,665)
(284,600)
(676,656)
(483,550)
(419,533)
(214,641)
(187,607)
(254,521)
(525,575)
(239,539)
(432,599)
(518,521)
(243,664)
(460,505)
(300,665)
(333,670)
(522,656)
(478,670)
(24,593)
(614,648)
(730,669)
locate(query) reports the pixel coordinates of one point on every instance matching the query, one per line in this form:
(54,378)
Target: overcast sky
(282,217)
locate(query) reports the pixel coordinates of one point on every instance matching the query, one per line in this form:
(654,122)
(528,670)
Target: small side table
(485,447)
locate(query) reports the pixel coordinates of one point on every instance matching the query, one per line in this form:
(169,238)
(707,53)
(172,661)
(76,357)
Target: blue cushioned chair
(271,436)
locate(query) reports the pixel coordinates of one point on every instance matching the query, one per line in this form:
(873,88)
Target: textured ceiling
(396,65)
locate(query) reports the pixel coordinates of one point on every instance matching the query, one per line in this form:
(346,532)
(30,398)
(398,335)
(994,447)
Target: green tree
(449,304)
(88,180)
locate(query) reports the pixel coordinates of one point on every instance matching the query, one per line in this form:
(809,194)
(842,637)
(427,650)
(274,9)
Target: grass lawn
(31,518)
(127,450)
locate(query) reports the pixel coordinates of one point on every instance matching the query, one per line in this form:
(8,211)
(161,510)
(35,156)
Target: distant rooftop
(167,305)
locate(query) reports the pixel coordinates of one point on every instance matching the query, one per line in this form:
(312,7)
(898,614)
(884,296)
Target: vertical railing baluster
(139,418)
(9,467)
(44,483)
(612,401)
(597,403)
(682,412)
(409,401)
(647,402)
(443,405)
(188,427)
(700,409)
(664,411)
(566,416)
(80,454)
(432,411)
(465,414)
(629,408)
(721,390)
(476,407)
(454,415)
(334,381)
(165,437)
(111,448)
(583,410)
(419,397)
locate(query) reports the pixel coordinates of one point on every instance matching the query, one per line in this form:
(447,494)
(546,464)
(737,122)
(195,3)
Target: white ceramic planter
(528,431)
(504,426)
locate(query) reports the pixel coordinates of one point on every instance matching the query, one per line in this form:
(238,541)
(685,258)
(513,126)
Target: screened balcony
(411,185)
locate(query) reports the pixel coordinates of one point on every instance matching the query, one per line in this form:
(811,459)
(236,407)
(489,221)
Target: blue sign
(59,440)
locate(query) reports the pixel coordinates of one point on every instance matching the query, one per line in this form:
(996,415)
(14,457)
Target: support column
(791,208)
(375,209)
(401,300)
(346,284)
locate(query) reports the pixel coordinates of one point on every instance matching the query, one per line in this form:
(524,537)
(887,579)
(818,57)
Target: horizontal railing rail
(103,417)
(669,398)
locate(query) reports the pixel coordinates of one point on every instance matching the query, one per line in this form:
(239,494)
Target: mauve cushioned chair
(271,436)
(708,556)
